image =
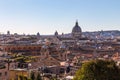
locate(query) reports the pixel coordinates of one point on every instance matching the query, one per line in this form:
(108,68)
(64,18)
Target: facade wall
(14,74)
(4,73)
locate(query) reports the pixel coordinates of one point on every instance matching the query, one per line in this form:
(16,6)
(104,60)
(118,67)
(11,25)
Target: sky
(47,16)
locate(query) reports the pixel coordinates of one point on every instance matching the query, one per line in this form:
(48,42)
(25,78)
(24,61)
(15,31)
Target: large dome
(76,31)
(76,28)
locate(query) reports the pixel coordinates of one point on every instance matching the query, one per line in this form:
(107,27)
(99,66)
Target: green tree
(21,77)
(98,70)
(32,76)
(38,77)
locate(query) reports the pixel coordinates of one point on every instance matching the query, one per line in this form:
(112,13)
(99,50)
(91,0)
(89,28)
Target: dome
(76,28)
(76,31)
(56,33)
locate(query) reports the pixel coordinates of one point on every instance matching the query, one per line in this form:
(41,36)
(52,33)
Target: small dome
(76,28)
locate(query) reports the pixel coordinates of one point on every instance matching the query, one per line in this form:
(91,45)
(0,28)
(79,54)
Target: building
(16,73)
(76,31)
(3,72)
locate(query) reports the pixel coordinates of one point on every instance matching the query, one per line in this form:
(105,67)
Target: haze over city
(59,39)
(47,16)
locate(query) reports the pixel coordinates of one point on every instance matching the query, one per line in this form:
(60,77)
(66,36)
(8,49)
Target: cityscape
(59,40)
(55,56)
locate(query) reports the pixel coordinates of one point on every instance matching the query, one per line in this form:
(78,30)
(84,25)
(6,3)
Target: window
(0,74)
(5,73)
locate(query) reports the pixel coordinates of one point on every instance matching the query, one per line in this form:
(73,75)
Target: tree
(98,70)
(68,69)
(38,77)
(32,76)
(21,77)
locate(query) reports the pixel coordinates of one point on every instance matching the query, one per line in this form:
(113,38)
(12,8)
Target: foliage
(98,70)
(21,77)
(53,79)
(38,77)
(2,66)
(32,76)
(26,59)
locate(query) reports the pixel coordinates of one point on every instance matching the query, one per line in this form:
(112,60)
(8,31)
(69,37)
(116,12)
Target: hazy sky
(47,16)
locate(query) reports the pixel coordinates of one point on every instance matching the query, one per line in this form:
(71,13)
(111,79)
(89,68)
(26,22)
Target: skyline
(45,16)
